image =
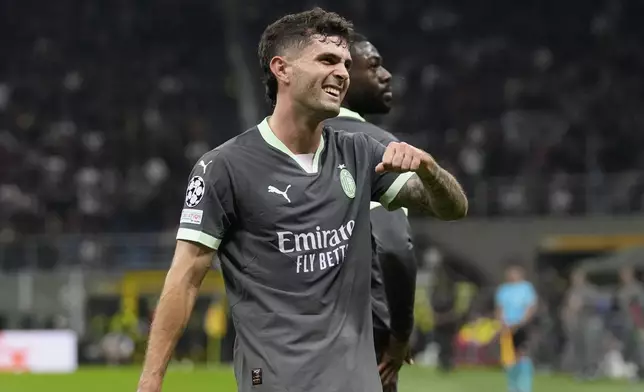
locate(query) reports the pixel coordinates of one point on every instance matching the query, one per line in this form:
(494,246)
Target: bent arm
(189,267)
(437,194)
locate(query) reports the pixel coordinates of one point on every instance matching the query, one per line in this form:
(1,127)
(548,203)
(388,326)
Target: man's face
(370,91)
(514,274)
(319,75)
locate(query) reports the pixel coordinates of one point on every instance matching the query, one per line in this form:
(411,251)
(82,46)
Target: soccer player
(516,305)
(393,282)
(286,207)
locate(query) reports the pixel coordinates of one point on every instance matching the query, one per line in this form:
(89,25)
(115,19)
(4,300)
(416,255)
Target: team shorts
(520,338)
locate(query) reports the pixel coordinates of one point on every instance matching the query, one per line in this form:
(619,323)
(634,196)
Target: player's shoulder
(355,126)
(225,156)
(337,133)
(229,150)
(356,139)
(374,131)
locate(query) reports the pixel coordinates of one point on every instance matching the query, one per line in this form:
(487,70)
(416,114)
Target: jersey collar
(270,138)
(344,112)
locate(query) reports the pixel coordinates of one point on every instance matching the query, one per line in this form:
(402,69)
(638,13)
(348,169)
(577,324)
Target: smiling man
(285,205)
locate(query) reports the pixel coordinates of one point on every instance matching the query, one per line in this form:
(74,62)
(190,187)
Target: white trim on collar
(344,112)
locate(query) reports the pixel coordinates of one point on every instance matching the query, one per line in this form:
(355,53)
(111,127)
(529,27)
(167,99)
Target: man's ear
(280,68)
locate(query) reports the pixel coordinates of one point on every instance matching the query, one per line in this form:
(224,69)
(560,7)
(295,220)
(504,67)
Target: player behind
(394,265)
(516,305)
(286,207)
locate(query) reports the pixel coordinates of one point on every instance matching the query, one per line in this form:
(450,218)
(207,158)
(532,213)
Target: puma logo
(204,165)
(272,189)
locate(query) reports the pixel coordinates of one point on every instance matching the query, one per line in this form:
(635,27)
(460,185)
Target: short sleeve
(208,210)
(384,186)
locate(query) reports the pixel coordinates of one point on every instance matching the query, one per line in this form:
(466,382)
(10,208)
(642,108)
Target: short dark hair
(514,263)
(294,30)
(357,38)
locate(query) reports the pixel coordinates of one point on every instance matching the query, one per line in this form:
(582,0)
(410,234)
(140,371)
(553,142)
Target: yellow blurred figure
(216,327)
(216,324)
(508,353)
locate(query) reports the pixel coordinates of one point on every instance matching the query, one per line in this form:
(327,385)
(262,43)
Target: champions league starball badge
(196,189)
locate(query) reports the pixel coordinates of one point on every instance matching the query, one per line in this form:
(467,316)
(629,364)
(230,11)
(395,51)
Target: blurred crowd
(597,322)
(105,106)
(580,327)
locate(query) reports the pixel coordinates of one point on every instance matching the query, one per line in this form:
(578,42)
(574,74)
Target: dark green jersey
(291,243)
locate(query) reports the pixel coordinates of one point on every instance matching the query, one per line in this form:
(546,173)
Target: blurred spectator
(446,318)
(583,324)
(117,348)
(630,298)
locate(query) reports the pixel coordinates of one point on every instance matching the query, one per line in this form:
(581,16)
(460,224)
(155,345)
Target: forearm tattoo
(441,196)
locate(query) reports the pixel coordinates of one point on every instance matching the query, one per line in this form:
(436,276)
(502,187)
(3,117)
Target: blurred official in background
(516,306)
(446,318)
(630,302)
(583,325)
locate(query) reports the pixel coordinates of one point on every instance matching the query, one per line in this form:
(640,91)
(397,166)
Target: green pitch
(414,379)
